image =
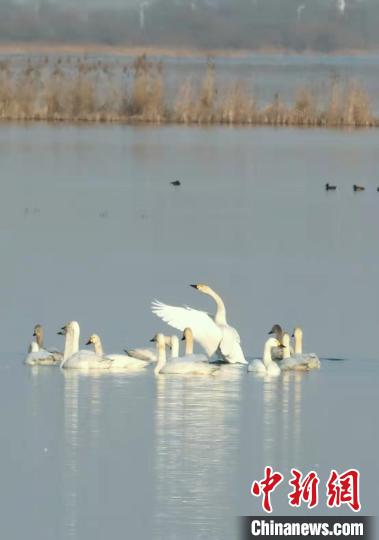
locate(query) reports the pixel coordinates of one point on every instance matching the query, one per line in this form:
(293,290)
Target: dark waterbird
(329,187)
(358,188)
(176,183)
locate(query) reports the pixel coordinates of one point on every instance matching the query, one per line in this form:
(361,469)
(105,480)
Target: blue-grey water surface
(91,229)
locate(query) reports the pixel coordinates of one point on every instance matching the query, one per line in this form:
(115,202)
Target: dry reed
(99,91)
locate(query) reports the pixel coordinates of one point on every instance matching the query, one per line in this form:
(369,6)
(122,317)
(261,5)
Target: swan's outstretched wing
(204,329)
(230,347)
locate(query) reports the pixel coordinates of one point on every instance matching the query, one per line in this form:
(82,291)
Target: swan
(288,362)
(188,353)
(310,359)
(118,360)
(178,365)
(277,352)
(38,334)
(213,334)
(266,366)
(73,358)
(38,357)
(148,354)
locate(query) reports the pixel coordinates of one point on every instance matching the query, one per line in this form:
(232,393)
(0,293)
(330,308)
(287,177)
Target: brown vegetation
(99,91)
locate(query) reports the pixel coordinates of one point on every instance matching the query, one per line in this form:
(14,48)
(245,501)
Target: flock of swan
(220,341)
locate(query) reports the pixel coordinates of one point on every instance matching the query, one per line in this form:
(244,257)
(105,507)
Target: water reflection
(71,438)
(197,433)
(282,420)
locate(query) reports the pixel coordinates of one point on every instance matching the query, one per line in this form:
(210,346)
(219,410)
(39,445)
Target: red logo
(304,489)
(268,484)
(343,489)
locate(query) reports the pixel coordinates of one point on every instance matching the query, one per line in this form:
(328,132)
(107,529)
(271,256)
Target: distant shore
(86,49)
(61,88)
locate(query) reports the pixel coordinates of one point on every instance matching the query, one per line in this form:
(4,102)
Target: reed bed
(72,89)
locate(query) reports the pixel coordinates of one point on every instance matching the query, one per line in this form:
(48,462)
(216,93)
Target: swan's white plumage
(212,334)
(204,329)
(40,357)
(39,335)
(86,360)
(266,366)
(118,361)
(179,366)
(147,355)
(73,358)
(299,361)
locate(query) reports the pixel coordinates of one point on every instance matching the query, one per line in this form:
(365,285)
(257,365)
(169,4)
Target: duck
(311,360)
(329,187)
(118,360)
(73,358)
(358,188)
(266,366)
(214,334)
(181,366)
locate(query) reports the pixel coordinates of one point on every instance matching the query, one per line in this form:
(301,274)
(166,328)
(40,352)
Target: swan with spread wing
(213,334)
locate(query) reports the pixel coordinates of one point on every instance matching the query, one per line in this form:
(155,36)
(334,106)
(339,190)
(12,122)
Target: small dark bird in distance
(176,183)
(329,187)
(358,188)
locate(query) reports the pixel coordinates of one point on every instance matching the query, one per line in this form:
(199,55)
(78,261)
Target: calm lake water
(90,229)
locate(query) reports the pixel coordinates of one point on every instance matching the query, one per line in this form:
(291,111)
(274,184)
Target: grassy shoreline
(81,49)
(84,90)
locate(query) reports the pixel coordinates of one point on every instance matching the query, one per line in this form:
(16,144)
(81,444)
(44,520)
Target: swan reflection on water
(196,431)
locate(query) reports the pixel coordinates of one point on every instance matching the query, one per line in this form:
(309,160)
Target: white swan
(75,359)
(311,360)
(38,334)
(266,366)
(148,354)
(214,335)
(38,357)
(188,353)
(118,360)
(277,352)
(178,365)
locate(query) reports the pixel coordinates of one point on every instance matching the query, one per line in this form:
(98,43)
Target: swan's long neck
(220,317)
(286,350)
(189,343)
(39,338)
(98,347)
(174,347)
(161,355)
(267,359)
(298,343)
(71,345)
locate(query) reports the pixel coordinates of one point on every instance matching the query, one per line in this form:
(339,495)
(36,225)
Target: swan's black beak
(153,340)
(183,338)
(34,334)
(293,335)
(270,332)
(194,286)
(88,342)
(281,346)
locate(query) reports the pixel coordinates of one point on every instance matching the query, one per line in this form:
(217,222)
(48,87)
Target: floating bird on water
(176,183)
(328,187)
(358,188)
